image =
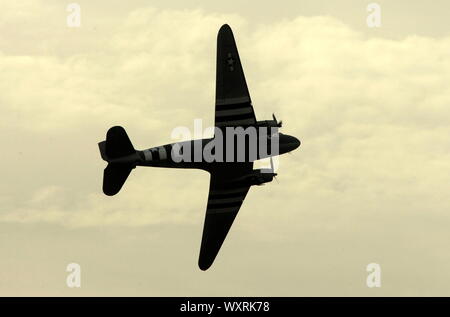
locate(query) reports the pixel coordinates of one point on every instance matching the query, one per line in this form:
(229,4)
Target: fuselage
(207,153)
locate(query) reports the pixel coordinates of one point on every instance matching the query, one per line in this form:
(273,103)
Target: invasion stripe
(228,191)
(233,106)
(229,112)
(235,123)
(224,205)
(225,200)
(228,101)
(236,117)
(147,155)
(220,210)
(232,195)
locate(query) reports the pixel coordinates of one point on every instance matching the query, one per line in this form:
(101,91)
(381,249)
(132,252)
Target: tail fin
(117,145)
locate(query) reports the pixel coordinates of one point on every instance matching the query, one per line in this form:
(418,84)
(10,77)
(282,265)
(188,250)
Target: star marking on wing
(230,62)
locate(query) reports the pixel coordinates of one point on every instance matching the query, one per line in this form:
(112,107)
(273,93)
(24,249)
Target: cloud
(369,182)
(371,112)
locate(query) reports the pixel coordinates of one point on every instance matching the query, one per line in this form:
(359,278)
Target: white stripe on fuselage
(148,155)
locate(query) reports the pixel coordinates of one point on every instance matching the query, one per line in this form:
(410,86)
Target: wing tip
(204,265)
(225,27)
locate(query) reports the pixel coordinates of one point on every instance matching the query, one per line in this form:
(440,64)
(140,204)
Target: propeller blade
(273,170)
(279,124)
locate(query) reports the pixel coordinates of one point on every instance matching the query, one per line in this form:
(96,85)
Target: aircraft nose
(288,143)
(295,142)
(292,142)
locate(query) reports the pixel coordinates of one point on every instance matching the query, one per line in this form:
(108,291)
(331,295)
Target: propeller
(279,124)
(273,171)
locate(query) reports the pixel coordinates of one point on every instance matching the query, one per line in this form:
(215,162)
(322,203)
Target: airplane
(231,175)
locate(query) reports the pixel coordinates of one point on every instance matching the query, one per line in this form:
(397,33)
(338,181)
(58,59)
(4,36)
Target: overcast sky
(370,182)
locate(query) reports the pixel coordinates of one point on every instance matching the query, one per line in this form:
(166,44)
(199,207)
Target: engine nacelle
(260,176)
(274,123)
(267,123)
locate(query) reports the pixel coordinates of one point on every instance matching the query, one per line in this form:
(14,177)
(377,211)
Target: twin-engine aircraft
(230,154)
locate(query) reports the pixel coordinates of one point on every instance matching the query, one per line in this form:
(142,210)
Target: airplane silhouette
(231,168)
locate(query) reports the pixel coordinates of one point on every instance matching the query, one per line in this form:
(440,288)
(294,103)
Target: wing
(233,103)
(224,201)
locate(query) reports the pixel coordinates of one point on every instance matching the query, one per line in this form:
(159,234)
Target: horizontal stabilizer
(114,176)
(102,147)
